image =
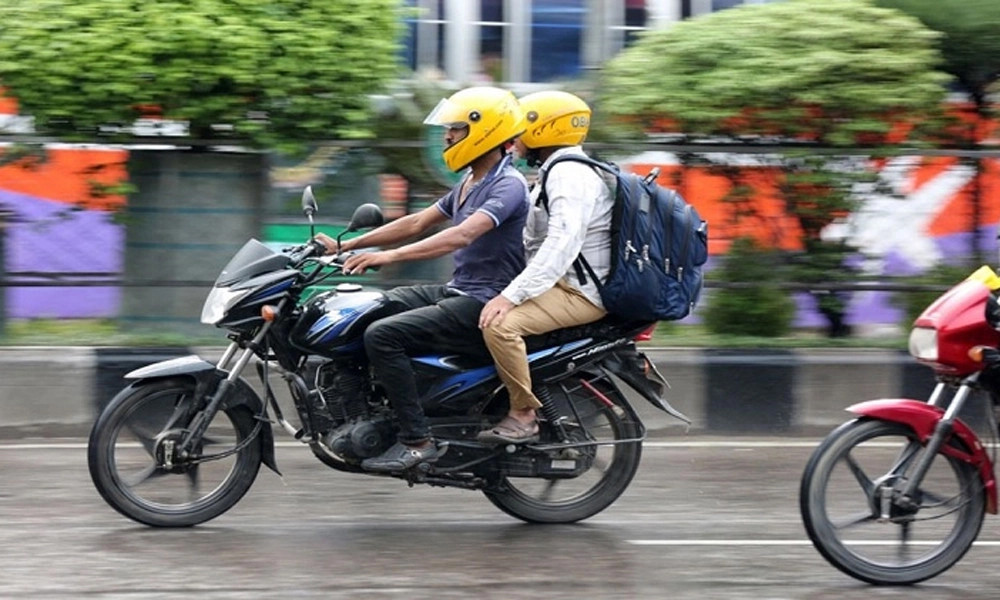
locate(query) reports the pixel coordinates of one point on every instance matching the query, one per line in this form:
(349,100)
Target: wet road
(701,520)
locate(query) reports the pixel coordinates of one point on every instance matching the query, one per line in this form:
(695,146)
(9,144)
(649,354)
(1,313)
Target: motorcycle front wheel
(851,513)
(611,465)
(133,467)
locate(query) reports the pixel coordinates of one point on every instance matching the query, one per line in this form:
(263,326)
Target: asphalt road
(702,519)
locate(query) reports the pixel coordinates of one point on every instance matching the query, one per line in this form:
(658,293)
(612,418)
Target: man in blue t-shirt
(487,210)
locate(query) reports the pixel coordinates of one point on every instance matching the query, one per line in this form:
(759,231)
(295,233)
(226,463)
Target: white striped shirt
(578,220)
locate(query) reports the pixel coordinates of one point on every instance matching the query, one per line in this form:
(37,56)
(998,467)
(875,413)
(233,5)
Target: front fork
(199,424)
(942,431)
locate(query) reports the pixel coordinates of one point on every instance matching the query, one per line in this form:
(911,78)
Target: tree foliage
(268,71)
(969,43)
(832,72)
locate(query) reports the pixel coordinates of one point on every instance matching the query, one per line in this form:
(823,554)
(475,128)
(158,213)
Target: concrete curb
(56,391)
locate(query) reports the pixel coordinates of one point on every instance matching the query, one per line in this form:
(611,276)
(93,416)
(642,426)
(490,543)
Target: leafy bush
(758,306)
(272,73)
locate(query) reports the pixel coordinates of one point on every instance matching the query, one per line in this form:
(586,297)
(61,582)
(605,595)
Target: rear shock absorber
(550,412)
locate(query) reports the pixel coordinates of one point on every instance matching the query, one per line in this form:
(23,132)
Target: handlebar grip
(316,248)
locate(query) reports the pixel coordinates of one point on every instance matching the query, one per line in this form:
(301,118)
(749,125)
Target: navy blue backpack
(658,246)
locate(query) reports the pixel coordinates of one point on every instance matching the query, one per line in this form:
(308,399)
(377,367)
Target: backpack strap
(543,199)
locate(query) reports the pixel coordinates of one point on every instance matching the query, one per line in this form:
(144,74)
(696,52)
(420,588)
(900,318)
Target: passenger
(551,293)
(487,210)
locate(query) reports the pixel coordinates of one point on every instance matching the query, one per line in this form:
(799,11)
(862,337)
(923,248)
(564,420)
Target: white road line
(734,444)
(783,543)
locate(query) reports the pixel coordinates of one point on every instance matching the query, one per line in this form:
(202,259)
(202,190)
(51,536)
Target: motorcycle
(898,494)
(183,442)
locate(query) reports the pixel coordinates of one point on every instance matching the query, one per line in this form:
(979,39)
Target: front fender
(207,377)
(923,418)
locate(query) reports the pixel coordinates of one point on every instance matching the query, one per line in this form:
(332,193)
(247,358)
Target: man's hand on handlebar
(356,264)
(328,244)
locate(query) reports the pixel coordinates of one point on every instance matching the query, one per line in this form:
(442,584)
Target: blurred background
(844,153)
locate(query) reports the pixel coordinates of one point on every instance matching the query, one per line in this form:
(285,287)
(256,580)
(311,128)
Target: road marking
(646,444)
(784,543)
(734,444)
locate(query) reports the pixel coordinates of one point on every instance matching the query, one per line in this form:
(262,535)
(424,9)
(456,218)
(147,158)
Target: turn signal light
(268,312)
(976,353)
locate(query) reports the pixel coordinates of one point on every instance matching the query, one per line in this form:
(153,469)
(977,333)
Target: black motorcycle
(183,442)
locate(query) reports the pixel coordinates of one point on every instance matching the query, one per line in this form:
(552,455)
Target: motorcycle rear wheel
(126,448)
(558,500)
(846,490)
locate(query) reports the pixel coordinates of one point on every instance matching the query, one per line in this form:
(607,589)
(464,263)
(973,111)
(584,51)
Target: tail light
(646,335)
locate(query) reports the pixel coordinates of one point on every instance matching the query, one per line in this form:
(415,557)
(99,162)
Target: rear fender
(923,418)
(207,377)
(632,367)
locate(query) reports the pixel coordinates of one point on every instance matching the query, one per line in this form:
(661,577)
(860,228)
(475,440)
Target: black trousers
(427,319)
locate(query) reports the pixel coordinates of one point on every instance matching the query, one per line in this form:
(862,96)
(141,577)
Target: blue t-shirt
(492,260)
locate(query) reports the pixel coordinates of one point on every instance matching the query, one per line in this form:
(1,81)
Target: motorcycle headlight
(923,344)
(219,301)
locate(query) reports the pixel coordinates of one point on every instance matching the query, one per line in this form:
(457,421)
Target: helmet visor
(448,114)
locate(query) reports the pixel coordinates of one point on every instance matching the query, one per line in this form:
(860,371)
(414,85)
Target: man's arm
(572,195)
(399,230)
(439,244)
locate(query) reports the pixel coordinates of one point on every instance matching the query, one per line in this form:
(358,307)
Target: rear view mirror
(309,206)
(365,216)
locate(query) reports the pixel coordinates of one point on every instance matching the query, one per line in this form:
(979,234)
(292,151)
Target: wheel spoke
(546,493)
(192,476)
(904,542)
(150,472)
(854,520)
(867,485)
(601,464)
(906,455)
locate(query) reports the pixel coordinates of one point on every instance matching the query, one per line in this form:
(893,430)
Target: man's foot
(510,431)
(401,457)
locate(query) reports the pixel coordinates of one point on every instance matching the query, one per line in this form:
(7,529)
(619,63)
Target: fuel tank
(332,323)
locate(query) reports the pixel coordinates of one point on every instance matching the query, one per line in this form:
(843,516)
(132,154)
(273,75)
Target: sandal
(509,431)
(400,457)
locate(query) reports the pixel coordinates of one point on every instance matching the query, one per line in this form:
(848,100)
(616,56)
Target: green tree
(272,73)
(837,73)
(971,49)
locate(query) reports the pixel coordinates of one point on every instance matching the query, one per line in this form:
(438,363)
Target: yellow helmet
(554,119)
(492,115)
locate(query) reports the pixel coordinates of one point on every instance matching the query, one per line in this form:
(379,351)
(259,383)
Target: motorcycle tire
(131,436)
(847,506)
(612,467)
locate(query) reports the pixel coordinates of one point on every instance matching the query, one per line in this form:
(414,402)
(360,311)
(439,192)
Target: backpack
(658,246)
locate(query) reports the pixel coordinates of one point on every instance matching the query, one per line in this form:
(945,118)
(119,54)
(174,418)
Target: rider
(487,210)
(550,293)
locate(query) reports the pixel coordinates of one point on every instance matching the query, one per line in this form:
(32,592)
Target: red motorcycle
(898,494)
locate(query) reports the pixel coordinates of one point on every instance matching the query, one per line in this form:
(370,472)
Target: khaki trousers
(561,306)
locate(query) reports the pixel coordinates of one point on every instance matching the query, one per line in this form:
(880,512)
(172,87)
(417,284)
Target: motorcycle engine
(346,389)
(362,438)
(361,427)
